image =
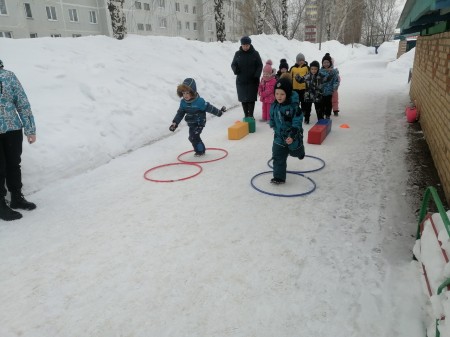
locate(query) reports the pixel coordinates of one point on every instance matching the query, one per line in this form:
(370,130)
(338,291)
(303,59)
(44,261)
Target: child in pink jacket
(266,90)
(335,97)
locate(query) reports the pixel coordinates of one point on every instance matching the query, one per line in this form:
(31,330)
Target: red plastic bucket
(411,114)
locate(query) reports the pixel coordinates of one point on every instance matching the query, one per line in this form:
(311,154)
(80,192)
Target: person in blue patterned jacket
(286,120)
(15,115)
(193,109)
(330,84)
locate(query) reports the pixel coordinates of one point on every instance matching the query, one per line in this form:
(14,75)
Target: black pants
(307,107)
(327,106)
(194,138)
(280,154)
(10,158)
(301,97)
(249,108)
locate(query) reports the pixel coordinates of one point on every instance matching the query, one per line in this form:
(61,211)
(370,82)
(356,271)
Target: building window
(194,10)
(76,35)
(51,13)
(55,35)
(6,34)
(28,13)
(73,15)
(140,26)
(162,23)
(146,6)
(179,25)
(3,10)
(148,27)
(137,5)
(195,25)
(177,6)
(188,26)
(186,8)
(92,16)
(162,3)
(33,35)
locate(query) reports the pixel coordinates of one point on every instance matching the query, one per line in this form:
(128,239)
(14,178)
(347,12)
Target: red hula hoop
(172,180)
(204,161)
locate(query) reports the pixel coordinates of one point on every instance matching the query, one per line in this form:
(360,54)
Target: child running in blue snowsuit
(193,108)
(286,120)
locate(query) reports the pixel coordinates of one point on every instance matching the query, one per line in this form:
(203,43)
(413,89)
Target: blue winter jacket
(15,110)
(330,81)
(194,111)
(286,120)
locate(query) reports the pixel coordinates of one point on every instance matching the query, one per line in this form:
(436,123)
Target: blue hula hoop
(307,171)
(283,195)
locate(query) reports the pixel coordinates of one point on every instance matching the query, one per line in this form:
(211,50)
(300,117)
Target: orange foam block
(238,130)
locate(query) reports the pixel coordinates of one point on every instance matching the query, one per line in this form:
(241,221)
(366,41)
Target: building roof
(421,14)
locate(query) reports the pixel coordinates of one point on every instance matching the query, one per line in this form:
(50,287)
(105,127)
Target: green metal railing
(431,192)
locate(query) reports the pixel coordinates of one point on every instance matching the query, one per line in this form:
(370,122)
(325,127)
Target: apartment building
(191,19)
(312,14)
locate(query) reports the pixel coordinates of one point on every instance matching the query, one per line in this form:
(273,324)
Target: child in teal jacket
(286,120)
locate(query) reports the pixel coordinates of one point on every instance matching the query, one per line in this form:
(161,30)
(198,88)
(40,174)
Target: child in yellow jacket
(300,68)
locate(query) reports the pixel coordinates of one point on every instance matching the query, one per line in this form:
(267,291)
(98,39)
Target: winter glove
(173,127)
(299,78)
(221,111)
(293,133)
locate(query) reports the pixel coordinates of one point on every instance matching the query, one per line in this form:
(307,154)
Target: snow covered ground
(108,253)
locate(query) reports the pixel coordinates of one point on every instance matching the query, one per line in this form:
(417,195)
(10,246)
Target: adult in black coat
(247,65)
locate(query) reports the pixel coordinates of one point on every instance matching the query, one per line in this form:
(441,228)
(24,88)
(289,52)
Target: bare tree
(249,15)
(284,18)
(118,19)
(278,16)
(261,16)
(272,16)
(380,18)
(388,18)
(220,20)
(297,8)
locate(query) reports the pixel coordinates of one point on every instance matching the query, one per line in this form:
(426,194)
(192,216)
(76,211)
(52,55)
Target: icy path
(110,254)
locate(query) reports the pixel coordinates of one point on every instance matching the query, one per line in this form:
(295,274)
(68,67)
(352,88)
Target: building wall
(430,89)
(191,19)
(21,26)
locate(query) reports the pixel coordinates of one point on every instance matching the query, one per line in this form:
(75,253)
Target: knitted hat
(283,64)
(315,64)
(187,85)
(246,40)
(285,85)
(300,57)
(328,58)
(268,67)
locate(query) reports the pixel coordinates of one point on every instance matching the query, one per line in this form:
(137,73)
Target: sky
(109,253)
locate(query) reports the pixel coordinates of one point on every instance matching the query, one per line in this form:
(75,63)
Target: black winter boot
(7,213)
(18,201)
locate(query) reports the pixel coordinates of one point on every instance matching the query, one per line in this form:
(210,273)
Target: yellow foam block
(238,130)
